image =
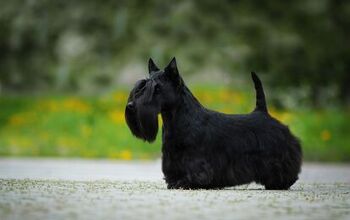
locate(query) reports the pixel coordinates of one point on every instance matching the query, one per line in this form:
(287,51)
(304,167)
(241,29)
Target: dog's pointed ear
(171,69)
(152,67)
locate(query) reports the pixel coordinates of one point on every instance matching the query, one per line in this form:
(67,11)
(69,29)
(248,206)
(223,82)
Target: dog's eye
(140,84)
(157,89)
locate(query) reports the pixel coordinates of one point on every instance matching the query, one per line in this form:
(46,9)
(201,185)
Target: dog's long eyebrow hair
(140,85)
(148,90)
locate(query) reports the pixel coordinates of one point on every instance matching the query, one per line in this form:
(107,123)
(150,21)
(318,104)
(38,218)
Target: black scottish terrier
(204,149)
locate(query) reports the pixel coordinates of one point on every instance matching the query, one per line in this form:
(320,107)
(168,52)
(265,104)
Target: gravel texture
(83,189)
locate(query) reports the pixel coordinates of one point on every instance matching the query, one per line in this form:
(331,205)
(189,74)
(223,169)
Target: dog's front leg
(199,174)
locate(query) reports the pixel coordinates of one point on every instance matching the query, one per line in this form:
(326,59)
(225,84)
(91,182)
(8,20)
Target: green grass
(94,127)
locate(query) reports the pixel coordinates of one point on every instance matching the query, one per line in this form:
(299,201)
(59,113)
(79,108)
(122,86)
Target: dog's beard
(133,122)
(148,118)
(143,122)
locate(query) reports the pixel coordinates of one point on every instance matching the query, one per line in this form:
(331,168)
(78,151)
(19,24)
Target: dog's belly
(205,171)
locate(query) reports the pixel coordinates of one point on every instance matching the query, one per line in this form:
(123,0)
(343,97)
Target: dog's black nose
(130,105)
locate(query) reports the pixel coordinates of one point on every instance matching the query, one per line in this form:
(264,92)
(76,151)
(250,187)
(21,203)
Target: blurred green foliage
(52,45)
(60,62)
(72,126)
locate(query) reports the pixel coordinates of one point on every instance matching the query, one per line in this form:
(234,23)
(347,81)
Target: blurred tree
(305,42)
(67,45)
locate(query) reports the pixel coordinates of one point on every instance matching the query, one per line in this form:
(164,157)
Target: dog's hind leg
(284,185)
(279,178)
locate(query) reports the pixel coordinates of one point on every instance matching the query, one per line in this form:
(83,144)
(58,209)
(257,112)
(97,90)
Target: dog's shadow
(248,188)
(257,187)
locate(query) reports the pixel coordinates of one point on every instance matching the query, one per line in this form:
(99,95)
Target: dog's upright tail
(260,95)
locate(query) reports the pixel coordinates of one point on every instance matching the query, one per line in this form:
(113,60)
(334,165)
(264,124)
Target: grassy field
(94,127)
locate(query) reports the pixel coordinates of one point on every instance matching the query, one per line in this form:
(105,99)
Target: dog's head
(151,96)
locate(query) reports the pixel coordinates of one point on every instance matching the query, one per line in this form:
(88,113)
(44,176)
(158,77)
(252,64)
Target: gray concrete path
(86,170)
(102,189)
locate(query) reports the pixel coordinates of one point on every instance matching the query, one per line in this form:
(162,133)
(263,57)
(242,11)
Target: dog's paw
(180,184)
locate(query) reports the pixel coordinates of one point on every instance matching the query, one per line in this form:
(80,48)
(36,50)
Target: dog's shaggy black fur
(208,149)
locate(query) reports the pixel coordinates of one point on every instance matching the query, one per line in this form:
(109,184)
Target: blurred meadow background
(66,68)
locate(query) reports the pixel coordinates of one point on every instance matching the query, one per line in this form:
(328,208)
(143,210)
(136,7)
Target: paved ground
(84,189)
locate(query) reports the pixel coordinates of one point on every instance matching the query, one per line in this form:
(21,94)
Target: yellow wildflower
(16,120)
(73,104)
(284,117)
(22,118)
(51,105)
(120,96)
(117,116)
(65,141)
(225,96)
(231,97)
(205,98)
(325,135)
(237,98)
(125,155)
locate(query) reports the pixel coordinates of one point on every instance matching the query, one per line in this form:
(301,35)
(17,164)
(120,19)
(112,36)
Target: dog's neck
(187,108)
